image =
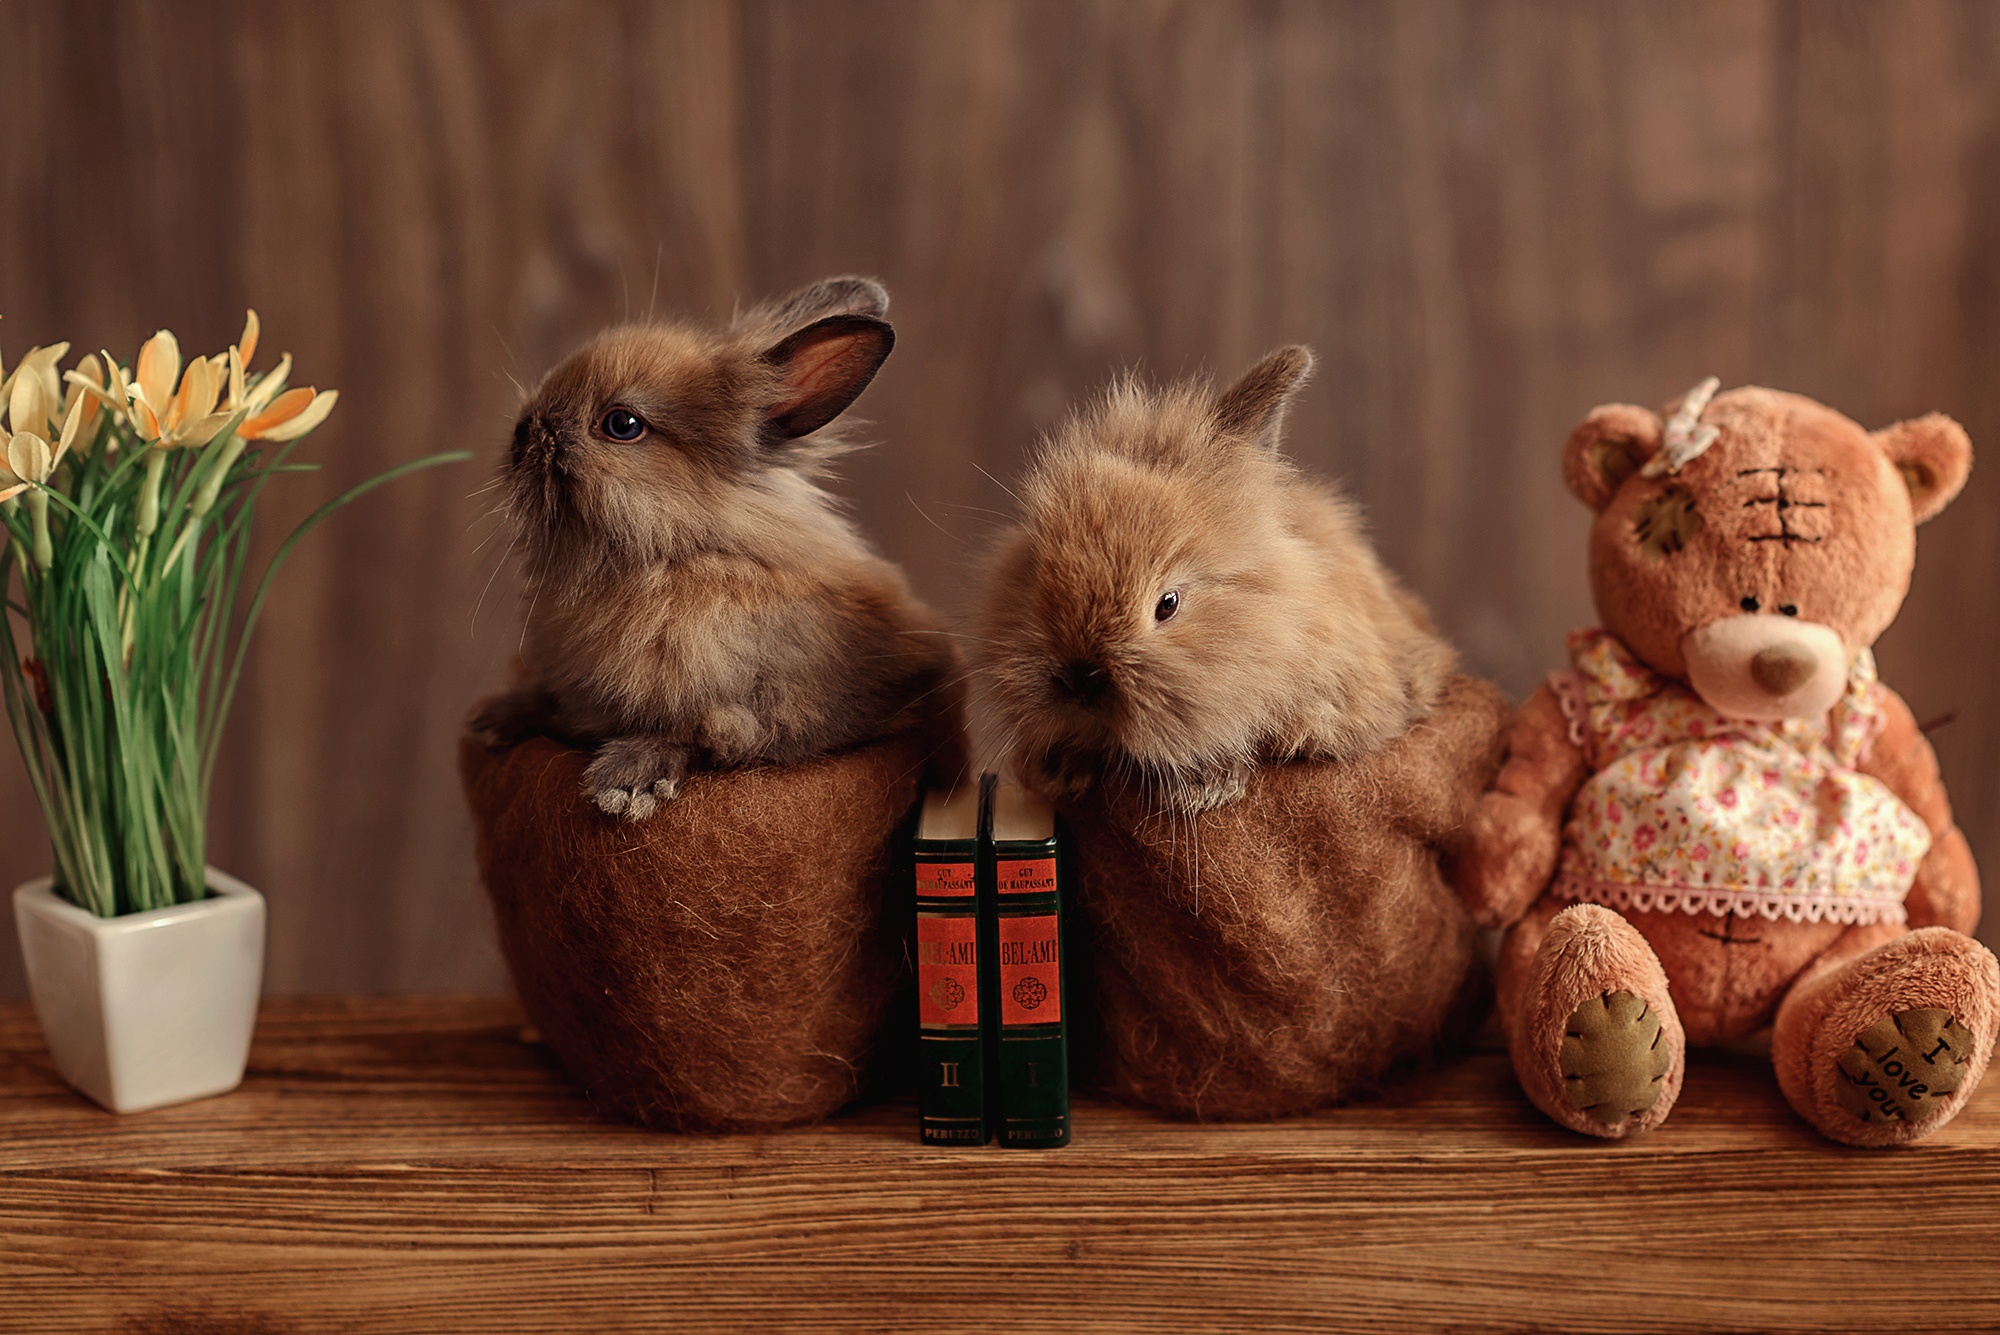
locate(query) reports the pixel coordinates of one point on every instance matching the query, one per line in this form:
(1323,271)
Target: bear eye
(622,424)
(1750,603)
(1170,603)
(1789,609)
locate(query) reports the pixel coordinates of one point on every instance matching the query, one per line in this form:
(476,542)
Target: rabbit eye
(1170,603)
(622,424)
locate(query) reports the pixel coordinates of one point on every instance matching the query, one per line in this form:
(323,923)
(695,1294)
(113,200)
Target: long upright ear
(1933,454)
(824,367)
(1606,448)
(848,294)
(1254,407)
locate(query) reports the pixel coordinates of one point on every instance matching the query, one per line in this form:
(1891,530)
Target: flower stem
(38,514)
(211,486)
(149,495)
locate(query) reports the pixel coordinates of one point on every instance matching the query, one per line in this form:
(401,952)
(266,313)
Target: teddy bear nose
(1783,668)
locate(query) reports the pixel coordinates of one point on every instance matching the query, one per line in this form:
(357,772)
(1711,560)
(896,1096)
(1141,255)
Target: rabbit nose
(524,434)
(533,441)
(1783,668)
(1083,681)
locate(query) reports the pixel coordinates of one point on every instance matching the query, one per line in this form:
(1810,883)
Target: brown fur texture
(1283,952)
(694,597)
(732,964)
(1793,515)
(1180,605)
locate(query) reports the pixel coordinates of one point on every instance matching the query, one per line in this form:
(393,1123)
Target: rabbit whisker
(472,627)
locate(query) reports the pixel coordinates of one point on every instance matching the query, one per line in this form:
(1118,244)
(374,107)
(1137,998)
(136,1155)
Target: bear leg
(1593,1032)
(1882,1042)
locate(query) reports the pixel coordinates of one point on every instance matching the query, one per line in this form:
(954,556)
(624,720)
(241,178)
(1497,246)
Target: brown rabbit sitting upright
(705,626)
(1179,614)
(695,598)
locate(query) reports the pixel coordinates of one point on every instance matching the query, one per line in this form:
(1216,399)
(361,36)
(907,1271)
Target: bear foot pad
(1614,1057)
(1904,1066)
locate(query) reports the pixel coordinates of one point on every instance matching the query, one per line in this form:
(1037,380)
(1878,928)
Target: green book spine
(1031,1070)
(951,1098)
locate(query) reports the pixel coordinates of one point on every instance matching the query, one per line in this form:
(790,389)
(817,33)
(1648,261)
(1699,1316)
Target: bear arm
(1945,892)
(1434,774)
(1510,848)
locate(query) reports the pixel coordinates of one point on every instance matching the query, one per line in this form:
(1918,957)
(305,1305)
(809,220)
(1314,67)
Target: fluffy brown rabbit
(695,598)
(1180,604)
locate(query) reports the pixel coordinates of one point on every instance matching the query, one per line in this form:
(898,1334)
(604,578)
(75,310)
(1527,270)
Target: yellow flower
(30,461)
(87,390)
(273,415)
(290,415)
(170,417)
(237,361)
(37,368)
(26,401)
(113,392)
(247,345)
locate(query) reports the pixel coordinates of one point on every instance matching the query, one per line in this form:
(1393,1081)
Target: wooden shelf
(412,1166)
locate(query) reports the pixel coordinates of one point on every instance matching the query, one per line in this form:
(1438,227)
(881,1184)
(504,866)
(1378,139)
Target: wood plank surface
(413,1165)
(1486,215)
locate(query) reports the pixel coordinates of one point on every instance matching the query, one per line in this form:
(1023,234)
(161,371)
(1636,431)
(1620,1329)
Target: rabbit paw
(731,734)
(508,720)
(1063,774)
(631,776)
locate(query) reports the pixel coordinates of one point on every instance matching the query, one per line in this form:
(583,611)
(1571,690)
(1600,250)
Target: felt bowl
(1285,951)
(733,961)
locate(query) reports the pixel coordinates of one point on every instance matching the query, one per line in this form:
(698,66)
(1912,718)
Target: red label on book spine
(945,880)
(1027,876)
(947,970)
(1030,970)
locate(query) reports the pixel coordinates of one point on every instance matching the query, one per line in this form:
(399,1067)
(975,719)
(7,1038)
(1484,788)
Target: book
(951,1097)
(1023,892)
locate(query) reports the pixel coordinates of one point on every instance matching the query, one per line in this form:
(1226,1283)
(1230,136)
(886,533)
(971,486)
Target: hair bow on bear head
(1685,436)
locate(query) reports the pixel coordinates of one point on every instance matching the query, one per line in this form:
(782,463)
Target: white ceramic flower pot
(148,1009)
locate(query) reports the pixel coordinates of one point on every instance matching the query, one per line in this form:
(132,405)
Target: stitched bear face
(1752,544)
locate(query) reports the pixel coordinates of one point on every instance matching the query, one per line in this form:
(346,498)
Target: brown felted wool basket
(733,961)
(1295,944)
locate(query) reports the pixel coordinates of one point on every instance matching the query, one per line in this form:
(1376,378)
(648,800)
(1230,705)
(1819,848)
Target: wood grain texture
(1486,216)
(403,1165)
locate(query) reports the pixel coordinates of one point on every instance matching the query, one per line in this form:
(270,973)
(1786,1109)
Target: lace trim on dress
(1744,903)
(1569,690)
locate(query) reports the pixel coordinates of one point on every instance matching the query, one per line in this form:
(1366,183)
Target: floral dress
(1686,808)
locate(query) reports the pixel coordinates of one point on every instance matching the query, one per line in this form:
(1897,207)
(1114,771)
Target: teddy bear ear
(1607,448)
(1933,454)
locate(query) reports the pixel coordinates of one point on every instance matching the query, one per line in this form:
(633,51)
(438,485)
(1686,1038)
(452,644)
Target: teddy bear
(1719,819)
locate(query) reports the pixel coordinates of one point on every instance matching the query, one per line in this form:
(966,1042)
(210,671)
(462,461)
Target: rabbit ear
(846,295)
(1254,407)
(825,367)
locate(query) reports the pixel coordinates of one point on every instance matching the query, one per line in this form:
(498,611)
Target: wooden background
(1487,217)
